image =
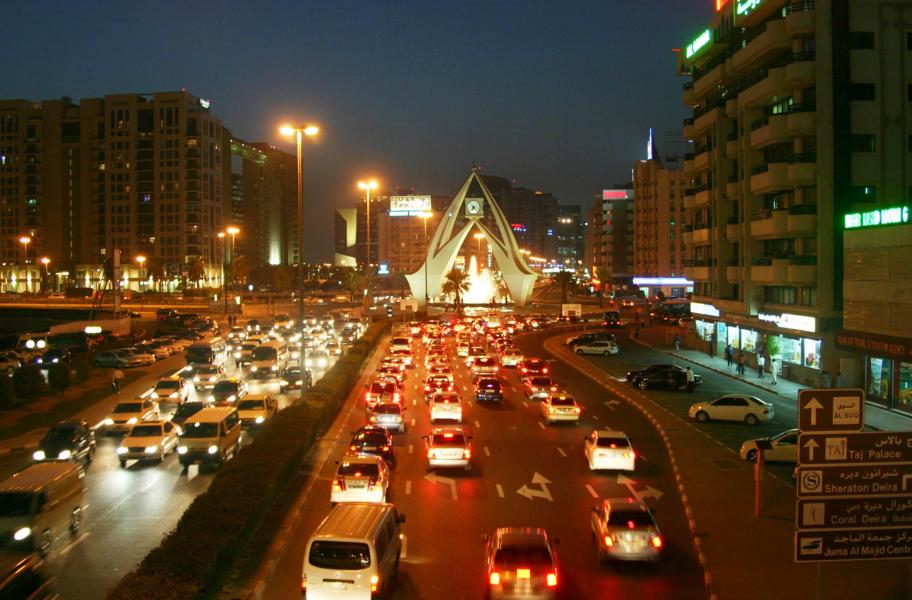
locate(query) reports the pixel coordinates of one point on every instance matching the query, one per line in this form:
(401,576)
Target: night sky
(555,95)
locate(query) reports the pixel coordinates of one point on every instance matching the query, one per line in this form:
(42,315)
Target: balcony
(709,81)
(772,41)
(731,146)
(703,196)
(770,270)
(802,269)
(698,270)
(802,169)
(770,177)
(733,273)
(802,218)
(689,164)
(799,18)
(701,233)
(701,159)
(802,120)
(766,85)
(690,99)
(707,120)
(689,198)
(733,230)
(688,235)
(769,131)
(766,223)
(688,129)
(733,187)
(802,71)
(731,107)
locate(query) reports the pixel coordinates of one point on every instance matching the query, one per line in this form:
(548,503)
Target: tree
(240,270)
(28,381)
(196,268)
(456,282)
(564,279)
(155,268)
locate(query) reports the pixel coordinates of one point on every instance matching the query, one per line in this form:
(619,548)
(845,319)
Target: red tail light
(656,541)
(609,541)
(494,579)
(467,453)
(353,448)
(375,583)
(551,579)
(339,484)
(385,448)
(545,370)
(373,419)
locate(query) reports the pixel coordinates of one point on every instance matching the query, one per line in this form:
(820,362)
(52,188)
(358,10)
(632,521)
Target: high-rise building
(658,221)
(345,237)
(403,231)
(570,228)
(795,124)
(532,216)
(609,237)
(142,173)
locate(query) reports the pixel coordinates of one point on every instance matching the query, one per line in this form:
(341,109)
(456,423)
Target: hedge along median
(193,560)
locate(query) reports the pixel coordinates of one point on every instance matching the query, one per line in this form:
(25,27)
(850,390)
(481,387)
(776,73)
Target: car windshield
(513,555)
(489,384)
(449,439)
(381,387)
(200,430)
(225,387)
(60,434)
(15,504)
(630,518)
(146,431)
(264,353)
(437,380)
(562,401)
(345,556)
(613,442)
(534,363)
(251,405)
(400,341)
(541,381)
(187,408)
(207,371)
(249,346)
(387,409)
(376,437)
(292,372)
(167,385)
(359,469)
(128,407)
(485,362)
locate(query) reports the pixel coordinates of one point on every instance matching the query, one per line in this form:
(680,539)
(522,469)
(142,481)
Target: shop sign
(872,343)
(699,43)
(409,206)
(790,321)
(895,215)
(698,308)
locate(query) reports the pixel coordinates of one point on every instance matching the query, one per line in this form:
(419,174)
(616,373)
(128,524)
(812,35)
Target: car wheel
(606,353)
(579,351)
(123,464)
(751,456)
(751,419)
(75,520)
(10,370)
(642,384)
(702,416)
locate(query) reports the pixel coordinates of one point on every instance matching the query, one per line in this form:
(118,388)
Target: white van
(354,553)
(269,359)
(41,503)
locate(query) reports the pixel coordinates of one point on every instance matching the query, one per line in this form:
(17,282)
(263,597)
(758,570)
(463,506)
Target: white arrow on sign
(813,406)
(649,492)
(612,403)
(434,478)
(811,445)
(544,492)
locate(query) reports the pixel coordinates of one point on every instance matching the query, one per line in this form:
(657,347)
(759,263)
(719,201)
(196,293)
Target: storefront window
(748,340)
(904,401)
(705,329)
(734,336)
(811,357)
(721,338)
(878,380)
(789,349)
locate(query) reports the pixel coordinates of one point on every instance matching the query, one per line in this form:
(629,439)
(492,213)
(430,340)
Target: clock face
(473,207)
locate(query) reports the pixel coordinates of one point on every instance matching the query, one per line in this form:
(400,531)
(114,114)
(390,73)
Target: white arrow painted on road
(627,483)
(544,492)
(649,492)
(811,445)
(612,403)
(434,478)
(813,406)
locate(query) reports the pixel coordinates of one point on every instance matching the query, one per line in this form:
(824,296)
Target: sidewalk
(657,336)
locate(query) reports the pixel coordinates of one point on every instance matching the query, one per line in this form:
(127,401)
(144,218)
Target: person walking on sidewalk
(729,355)
(690,379)
(761,364)
(774,367)
(838,381)
(741,362)
(677,342)
(117,380)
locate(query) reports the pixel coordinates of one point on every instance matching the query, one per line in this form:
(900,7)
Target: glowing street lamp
(25,241)
(367,186)
(47,274)
(142,261)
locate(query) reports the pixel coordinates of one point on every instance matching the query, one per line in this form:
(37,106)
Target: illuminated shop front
(886,367)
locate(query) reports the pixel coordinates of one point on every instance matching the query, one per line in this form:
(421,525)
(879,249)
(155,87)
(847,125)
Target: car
(292,379)
(165,314)
(360,478)
(71,441)
(255,409)
(158,353)
(228,391)
(475,352)
(448,447)
(405,356)
(667,376)
(174,389)
(52,356)
(732,407)
(488,389)
(782,447)
(586,338)
(374,440)
(601,347)
(484,366)
(539,387)
(244,354)
(317,359)
(389,415)
(381,391)
(444,370)
(188,335)
(560,407)
(185,411)
(609,450)
(333,348)
(520,562)
(533,366)
(445,406)
(612,319)
(437,383)
(144,359)
(625,529)
(511,357)
(149,440)
(9,362)
(391,369)
(128,413)
(282,321)
(400,343)
(206,376)
(237,334)
(462,349)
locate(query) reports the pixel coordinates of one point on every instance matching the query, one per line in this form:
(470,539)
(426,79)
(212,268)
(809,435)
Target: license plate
(338,585)
(356,485)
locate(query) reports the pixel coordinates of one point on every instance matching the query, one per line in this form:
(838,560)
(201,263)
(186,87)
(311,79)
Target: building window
(878,380)
(862,91)
(863,193)
(904,400)
(811,356)
(862,142)
(779,294)
(861,40)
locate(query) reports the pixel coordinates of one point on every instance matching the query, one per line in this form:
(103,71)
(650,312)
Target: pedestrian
(690,379)
(709,346)
(741,361)
(117,380)
(838,381)
(826,381)
(761,365)
(729,355)
(677,341)
(774,367)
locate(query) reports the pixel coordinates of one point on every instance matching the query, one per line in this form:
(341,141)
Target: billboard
(617,194)
(409,206)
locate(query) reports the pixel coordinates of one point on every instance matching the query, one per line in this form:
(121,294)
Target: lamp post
(25,241)
(424,217)
(299,133)
(47,274)
(367,186)
(141,259)
(221,236)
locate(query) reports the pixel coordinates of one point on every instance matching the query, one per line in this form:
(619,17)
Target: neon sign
(720,4)
(615,194)
(895,215)
(698,44)
(745,7)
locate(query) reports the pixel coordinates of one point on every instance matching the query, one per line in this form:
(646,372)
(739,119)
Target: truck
(571,311)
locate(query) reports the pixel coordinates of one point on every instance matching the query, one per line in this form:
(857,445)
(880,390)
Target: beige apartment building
(608,243)
(799,117)
(658,223)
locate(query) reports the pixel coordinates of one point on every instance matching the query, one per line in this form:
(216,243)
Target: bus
(208,352)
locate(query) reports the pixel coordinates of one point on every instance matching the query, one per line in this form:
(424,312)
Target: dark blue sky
(556,95)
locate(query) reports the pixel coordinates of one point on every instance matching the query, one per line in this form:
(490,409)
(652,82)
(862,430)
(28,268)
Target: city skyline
(561,69)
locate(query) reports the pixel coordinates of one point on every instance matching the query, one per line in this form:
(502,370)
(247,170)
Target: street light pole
(367,186)
(221,236)
(424,217)
(25,240)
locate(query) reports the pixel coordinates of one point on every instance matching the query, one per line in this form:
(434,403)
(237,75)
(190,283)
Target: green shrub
(28,381)
(7,392)
(59,376)
(83,370)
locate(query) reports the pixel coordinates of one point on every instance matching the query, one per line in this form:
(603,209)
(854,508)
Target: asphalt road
(448,511)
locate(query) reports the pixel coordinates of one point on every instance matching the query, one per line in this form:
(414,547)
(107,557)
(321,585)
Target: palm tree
(155,268)
(196,268)
(565,280)
(456,282)
(239,270)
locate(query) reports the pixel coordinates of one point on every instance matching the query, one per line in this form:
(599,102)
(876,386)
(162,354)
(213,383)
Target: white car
(173,389)
(448,447)
(560,407)
(360,478)
(782,447)
(130,412)
(732,407)
(400,343)
(600,347)
(462,350)
(151,440)
(606,449)
(445,406)
(511,357)
(625,529)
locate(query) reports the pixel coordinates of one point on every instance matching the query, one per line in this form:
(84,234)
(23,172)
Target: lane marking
(500,491)
(411,448)
(74,543)
(595,417)
(591,491)
(414,402)
(408,488)
(540,424)
(477,424)
(526,404)
(561,452)
(413,422)
(486,451)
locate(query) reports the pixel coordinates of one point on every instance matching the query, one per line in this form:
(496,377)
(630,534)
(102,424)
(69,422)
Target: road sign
(862,511)
(852,544)
(830,410)
(855,448)
(854,480)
